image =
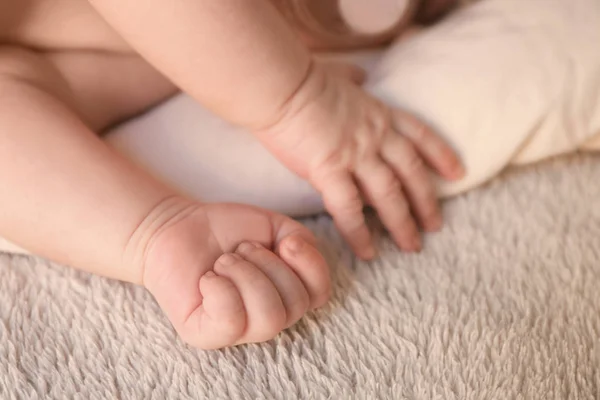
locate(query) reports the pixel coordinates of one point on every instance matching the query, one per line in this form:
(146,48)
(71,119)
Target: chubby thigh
(62,50)
(56,25)
(66,47)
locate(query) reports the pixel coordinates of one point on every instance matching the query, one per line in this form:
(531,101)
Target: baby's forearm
(237,57)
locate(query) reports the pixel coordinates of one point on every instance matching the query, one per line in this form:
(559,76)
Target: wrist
(276,109)
(149,234)
(304,92)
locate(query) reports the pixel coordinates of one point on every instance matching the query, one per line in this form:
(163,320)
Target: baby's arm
(241,60)
(237,57)
(69,197)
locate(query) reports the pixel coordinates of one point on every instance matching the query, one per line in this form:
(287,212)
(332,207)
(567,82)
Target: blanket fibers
(503,304)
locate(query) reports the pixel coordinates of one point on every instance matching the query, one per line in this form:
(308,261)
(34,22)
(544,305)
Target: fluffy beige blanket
(503,304)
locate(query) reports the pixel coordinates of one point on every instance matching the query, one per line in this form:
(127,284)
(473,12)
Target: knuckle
(414,164)
(326,166)
(424,196)
(377,125)
(413,128)
(347,207)
(391,190)
(326,174)
(351,225)
(372,132)
(420,131)
(365,148)
(327,163)
(408,147)
(351,208)
(378,122)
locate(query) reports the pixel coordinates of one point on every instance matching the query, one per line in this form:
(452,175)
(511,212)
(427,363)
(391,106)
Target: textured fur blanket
(503,304)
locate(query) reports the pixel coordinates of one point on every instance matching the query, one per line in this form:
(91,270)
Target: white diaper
(504,81)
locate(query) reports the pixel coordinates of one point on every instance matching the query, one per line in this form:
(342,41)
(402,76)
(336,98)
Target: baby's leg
(66,195)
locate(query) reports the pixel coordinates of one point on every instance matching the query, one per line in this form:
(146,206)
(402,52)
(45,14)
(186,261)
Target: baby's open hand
(355,151)
(229,274)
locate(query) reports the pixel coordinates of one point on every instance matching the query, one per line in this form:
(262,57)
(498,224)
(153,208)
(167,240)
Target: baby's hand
(229,274)
(355,151)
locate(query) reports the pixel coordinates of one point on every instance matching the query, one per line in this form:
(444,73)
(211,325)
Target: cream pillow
(505,81)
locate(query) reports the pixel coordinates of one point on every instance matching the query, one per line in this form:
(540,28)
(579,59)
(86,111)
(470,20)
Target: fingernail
(370,253)
(227,259)
(294,244)
(460,171)
(417,243)
(246,247)
(435,224)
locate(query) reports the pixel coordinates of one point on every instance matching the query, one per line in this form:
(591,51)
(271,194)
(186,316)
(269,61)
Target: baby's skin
(224,274)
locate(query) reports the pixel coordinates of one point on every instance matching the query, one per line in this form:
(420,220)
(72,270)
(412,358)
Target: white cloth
(504,81)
